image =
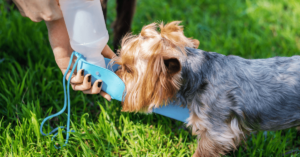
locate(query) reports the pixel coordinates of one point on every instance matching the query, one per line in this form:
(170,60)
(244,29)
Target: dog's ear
(173,33)
(173,65)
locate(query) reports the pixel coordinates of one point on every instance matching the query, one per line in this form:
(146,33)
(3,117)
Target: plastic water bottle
(86,28)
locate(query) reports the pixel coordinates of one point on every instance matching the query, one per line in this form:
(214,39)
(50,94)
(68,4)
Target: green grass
(31,84)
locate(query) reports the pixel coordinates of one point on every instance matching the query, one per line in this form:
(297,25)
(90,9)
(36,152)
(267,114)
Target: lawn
(31,83)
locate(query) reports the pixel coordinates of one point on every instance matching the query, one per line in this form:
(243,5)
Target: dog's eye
(118,52)
(127,69)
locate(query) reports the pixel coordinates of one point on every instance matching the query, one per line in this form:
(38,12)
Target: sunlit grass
(31,84)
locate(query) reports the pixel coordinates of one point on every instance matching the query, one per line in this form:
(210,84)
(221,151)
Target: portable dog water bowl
(111,83)
(171,110)
(113,86)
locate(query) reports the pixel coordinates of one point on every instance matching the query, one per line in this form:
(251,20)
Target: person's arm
(60,44)
(38,10)
(108,53)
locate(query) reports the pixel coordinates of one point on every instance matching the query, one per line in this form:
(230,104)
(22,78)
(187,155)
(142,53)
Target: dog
(228,96)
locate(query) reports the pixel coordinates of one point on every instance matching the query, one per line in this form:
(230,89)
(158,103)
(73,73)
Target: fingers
(87,83)
(84,84)
(96,88)
(78,79)
(18,4)
(37,10)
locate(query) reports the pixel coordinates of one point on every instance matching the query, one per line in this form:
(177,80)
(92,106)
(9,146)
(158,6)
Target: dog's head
(150,65)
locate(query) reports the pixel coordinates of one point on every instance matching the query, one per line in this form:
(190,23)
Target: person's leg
(122,25)
(104,8)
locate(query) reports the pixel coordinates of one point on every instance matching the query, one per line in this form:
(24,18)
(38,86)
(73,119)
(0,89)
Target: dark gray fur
(263,94)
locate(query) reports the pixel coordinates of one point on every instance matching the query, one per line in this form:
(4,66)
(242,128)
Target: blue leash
(65,103)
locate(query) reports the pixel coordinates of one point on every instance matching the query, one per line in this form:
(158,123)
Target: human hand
(38,10)
(60,43)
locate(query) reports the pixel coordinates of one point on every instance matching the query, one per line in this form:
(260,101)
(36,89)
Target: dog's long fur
(226,95)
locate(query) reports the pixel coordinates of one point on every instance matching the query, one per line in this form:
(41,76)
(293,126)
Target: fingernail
(99,84)
(89,79)
(82,72)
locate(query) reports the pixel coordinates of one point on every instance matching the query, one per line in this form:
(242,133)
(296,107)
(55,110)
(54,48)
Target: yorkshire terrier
(227,96)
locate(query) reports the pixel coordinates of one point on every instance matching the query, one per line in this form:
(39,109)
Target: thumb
(105,95)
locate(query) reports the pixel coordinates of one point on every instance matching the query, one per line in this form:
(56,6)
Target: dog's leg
(298,131)
(214,139)
(122,25)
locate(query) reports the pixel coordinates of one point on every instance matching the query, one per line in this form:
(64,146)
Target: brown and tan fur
(143,60)
(227,96)
(149,67)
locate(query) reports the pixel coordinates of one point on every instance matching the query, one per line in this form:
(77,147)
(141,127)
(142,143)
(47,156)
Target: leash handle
(66,102)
